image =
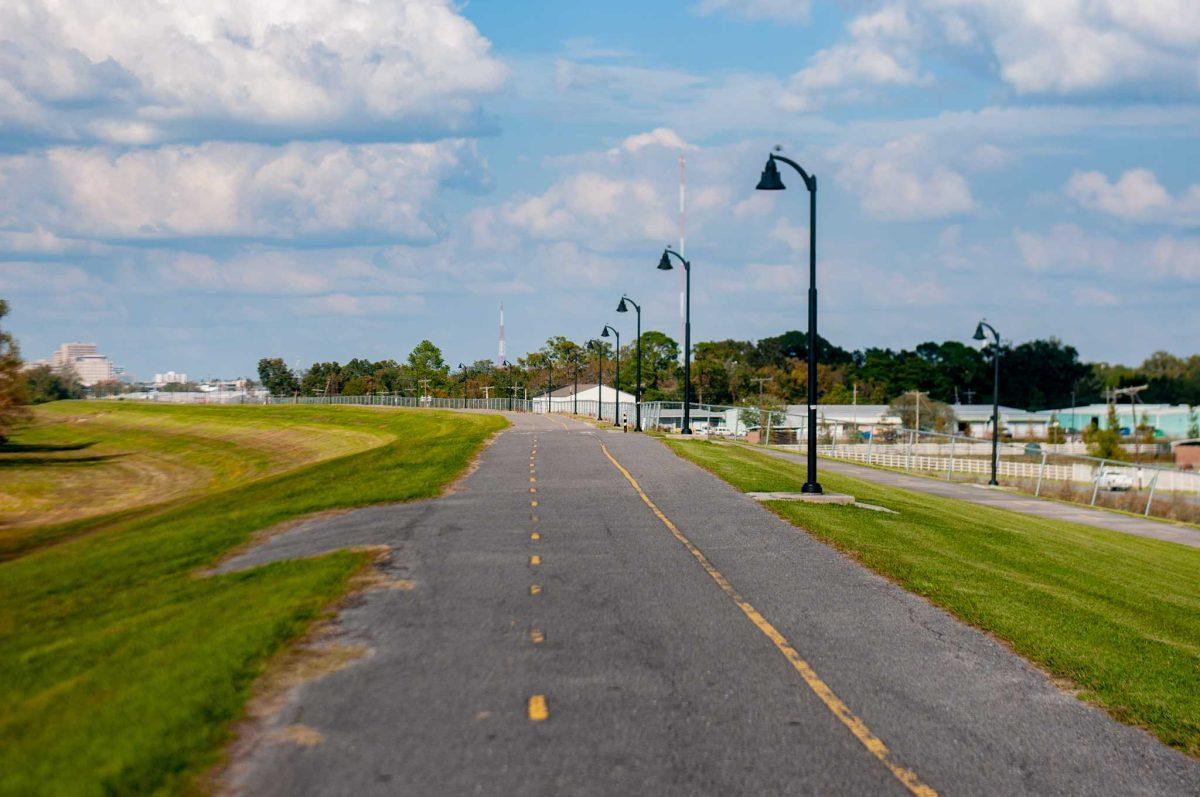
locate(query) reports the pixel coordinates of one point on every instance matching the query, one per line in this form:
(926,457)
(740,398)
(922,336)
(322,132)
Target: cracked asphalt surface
(654,679)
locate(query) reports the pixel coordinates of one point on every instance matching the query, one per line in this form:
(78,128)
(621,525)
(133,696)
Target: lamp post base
(813,488)
(685,430)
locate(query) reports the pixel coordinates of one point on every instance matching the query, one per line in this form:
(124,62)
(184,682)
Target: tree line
(1035,375)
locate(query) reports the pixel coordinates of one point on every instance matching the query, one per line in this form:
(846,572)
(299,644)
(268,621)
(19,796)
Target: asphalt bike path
(586,613)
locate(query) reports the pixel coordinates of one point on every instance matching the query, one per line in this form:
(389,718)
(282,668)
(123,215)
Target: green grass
(122,667)
(1116,615)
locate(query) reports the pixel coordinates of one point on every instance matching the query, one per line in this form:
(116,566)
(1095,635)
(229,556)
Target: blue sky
(195,185)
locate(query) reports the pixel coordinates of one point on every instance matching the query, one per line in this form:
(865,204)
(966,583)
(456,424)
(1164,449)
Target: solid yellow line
(537,708)
(839,709)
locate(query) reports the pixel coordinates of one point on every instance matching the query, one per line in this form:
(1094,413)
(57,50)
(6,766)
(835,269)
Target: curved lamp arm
(687,265)
(991,329)
(810,180)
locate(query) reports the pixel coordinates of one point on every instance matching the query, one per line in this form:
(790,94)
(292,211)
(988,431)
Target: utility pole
(761,380)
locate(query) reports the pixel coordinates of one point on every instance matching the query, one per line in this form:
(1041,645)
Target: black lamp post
(617,377)
(664,264)
(979,335)
(637,390)
(771,181)
(549,384)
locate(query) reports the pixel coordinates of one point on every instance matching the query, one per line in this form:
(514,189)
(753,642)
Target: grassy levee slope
(82,460)
(122,665)
(1116,615)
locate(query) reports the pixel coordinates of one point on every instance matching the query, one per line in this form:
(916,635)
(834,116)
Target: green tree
(13,397)
(425,362)
(43,384)
(322,379)
(660,367)
(276,377)
(1193,423)
(1106,443)
(917,408)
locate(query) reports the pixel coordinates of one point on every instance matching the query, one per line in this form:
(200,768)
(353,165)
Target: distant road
(589,614)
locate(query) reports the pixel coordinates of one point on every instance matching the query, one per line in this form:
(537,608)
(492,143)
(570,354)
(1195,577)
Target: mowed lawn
(1116,615)
(122,665)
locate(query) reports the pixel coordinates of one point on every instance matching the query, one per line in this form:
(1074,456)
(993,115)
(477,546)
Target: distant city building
(89,365)
(170,378)
(67,353)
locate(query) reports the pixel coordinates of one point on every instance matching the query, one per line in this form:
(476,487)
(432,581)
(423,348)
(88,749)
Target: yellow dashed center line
(533,503)
(537,708)
(534,589)
(535,536)
(535,560)
(536,636)
(869,740)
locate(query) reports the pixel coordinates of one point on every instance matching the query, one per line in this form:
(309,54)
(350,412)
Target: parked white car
(1114,480)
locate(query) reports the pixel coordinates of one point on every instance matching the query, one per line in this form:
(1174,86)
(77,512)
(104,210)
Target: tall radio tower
(500,354)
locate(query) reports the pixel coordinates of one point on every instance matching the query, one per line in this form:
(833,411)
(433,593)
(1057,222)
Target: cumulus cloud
(903,180)
(1068,248)
(1136,195)
(1064,48)
(658,137)
(589,207)
(142,71)
(296,191)
(879,53)
(782,10)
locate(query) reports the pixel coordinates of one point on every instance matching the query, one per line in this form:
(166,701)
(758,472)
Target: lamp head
(604,334)
(622,307)
(979,332)
(770,180)
(664,262)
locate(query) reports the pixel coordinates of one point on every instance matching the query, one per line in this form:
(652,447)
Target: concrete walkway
(1002,499)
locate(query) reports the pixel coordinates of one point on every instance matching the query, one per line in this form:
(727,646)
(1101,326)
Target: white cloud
(343,304)
(1136,195)
(18,277)
(658,137)
(879,53)
(781,10)
(588,207)
(1094,297)
(295,191)
(140,71)
(1036,47)
(1068,248)
(903,180)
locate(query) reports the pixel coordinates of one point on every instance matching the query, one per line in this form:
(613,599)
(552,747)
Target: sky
(196,184)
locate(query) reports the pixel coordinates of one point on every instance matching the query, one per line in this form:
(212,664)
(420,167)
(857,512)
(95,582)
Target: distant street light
(617,377)
(771,181)
(637,391)
(664,264)
(995,392)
